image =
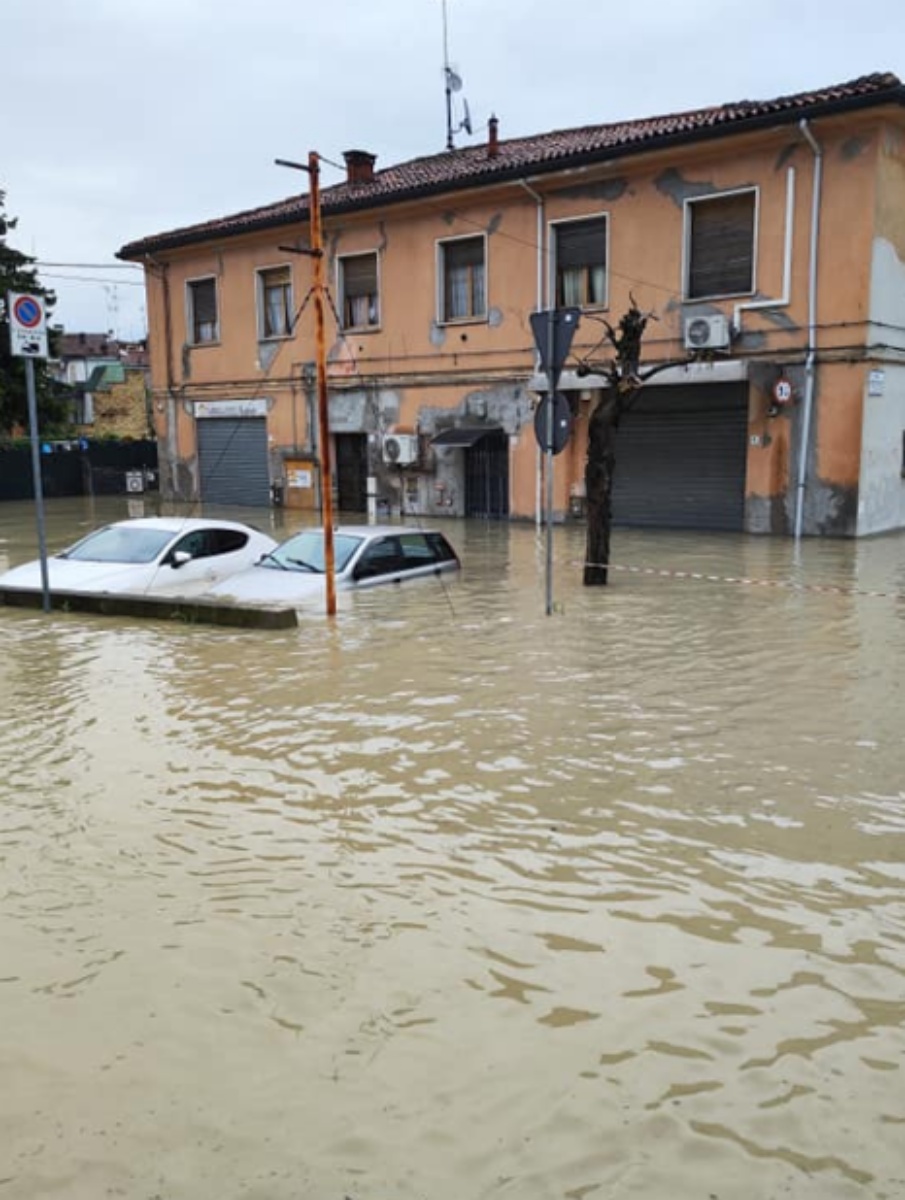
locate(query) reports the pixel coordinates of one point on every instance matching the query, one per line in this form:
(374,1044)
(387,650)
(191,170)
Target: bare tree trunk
(599,470)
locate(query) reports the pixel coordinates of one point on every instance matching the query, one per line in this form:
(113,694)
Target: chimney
(493,141)
(359,166)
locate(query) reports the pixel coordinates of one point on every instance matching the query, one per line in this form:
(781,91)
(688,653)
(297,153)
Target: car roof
(179,524)
(368,530)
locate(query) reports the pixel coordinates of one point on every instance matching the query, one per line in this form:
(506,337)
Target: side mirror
(179,558)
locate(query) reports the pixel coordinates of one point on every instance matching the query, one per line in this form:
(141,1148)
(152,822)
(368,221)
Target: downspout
(539,200)
(811,360)
(172,440)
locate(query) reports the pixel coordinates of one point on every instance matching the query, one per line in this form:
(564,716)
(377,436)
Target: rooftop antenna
(453,83)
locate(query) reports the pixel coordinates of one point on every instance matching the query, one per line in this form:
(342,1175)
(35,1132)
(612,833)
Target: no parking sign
(27,325)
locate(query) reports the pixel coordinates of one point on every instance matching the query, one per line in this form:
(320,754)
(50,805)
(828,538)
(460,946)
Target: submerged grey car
(364,556)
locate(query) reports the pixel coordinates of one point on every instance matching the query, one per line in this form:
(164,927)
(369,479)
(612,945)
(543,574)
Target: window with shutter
(275,302)
(581,262)
(358,291)
(203,325)
(721,245)
(463,288)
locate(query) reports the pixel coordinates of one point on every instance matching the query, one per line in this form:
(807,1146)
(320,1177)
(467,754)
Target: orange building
(767,236)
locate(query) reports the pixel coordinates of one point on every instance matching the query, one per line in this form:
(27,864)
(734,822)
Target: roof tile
(471,165)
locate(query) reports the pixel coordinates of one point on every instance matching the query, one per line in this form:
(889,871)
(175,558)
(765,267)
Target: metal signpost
(553,331)
(28,340)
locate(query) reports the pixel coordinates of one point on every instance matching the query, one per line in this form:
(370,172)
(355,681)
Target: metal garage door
(681,457)
(232,460)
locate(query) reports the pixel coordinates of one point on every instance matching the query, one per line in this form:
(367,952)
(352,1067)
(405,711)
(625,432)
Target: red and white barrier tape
(786,584)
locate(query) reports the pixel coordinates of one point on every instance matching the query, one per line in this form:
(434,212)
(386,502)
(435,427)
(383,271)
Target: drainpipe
(783,300)
(172,435)
(811,360)
(539,201)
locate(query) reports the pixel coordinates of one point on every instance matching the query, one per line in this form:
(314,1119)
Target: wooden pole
(323,412)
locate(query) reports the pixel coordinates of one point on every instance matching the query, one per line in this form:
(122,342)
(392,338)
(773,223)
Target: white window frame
(190,310)
(259,302)
(554,266)
(440,262)
(340,292)
(686,242)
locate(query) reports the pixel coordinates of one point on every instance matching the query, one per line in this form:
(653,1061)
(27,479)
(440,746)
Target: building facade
(768,238)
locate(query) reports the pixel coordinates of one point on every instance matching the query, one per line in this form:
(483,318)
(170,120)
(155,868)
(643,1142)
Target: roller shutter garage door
(681,459)
(232,460)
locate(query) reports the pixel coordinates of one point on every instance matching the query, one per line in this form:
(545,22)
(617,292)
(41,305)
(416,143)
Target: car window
(382,557)
(119,543)
(416,550)
(442,550)
(197,544)
(308,548)
(227,541)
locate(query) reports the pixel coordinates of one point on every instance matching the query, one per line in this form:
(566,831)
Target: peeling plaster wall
(882,499)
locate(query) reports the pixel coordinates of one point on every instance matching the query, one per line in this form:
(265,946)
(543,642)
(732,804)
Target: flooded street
(454,900)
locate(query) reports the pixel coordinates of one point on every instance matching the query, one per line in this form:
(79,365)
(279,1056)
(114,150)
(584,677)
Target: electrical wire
(93,279)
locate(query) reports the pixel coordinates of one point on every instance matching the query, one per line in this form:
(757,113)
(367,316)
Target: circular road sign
(782,391)
(561,423)
(28,312)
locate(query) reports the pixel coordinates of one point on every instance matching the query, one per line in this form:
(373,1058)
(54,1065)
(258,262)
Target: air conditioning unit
(400,449)
(707,333)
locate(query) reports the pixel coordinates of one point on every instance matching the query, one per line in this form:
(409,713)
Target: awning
(464,435)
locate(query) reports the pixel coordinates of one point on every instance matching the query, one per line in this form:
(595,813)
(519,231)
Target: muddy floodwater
(451,899)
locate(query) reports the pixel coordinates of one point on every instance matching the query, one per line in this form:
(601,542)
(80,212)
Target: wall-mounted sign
(299,478)
(231,408)
(876,383)
(782,391)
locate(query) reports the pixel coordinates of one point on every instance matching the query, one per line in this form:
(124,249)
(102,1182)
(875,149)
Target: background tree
(18,274)
(625,381)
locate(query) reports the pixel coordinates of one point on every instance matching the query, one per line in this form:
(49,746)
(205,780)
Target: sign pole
(553,331)
(548,434)
(36,479)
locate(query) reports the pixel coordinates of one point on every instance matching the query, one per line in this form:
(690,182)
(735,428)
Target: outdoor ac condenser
(707,333)
(400,449)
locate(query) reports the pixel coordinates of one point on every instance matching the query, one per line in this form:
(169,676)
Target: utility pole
(316,252)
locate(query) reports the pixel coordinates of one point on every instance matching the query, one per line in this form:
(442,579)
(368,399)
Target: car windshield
(120,544)
(305,552)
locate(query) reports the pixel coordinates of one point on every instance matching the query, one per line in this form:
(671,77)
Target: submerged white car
(364,556)
(149,555)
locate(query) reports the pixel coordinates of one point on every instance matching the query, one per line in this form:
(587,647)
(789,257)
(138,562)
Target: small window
(202,314)
(581,262)
(358,291)
(275,302)
(463,289)
(721,245)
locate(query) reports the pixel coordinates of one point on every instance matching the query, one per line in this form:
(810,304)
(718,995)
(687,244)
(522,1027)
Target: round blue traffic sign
(27,311)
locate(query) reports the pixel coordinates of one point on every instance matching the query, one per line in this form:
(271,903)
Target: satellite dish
(453,81)
(466,120)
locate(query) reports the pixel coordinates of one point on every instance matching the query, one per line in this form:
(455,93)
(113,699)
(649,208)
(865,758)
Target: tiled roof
(540,153)
(87,345)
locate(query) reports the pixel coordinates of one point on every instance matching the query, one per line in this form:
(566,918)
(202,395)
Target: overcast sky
(129,117)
